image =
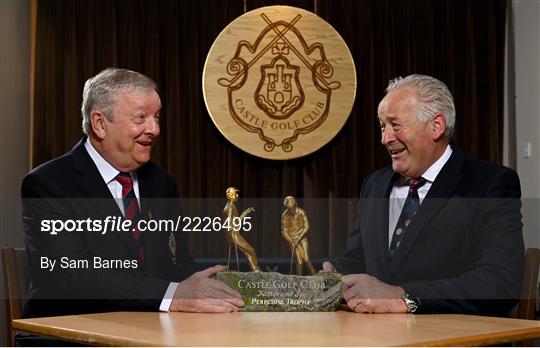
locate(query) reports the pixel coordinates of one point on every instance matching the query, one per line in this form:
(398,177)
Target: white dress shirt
(398,195)
(109,173)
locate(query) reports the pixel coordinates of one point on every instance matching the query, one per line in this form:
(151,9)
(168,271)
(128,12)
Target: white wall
(526,18)
(14,123)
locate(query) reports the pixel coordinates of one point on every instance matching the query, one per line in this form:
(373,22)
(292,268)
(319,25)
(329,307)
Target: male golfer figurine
(294,226)
(234,226)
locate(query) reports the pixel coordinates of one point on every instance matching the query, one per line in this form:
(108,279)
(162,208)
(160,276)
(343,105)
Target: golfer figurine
(294,226)
(233,228)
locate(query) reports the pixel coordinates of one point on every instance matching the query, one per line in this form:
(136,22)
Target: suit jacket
(71,187)
(463,251)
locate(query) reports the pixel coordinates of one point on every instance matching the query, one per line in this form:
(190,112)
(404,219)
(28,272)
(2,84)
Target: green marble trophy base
(275,292)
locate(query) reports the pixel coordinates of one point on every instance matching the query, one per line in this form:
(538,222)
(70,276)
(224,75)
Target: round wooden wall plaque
(279,82)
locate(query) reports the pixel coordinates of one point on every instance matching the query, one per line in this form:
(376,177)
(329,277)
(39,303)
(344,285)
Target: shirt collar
(107,171)
(431,173)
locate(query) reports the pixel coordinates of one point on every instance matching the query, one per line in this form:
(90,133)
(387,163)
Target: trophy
(272,291)
(294,226)
(233,231)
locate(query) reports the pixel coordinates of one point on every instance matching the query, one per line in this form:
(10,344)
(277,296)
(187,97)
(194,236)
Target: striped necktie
(407,214)
(131,209)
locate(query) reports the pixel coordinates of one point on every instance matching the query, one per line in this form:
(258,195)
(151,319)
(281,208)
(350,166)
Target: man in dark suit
(438,231)
(108,176)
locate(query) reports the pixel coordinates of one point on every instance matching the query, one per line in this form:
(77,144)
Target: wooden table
(339,328)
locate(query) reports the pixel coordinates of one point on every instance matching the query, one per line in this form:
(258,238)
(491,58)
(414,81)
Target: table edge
(514,335)
(75,336)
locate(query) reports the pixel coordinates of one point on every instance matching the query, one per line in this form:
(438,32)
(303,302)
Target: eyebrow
(389,118)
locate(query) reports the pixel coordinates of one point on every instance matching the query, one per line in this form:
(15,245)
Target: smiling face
(413,145)
(126,140)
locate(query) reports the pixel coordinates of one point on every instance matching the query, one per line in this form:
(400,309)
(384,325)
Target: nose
(152,127)
(387,135)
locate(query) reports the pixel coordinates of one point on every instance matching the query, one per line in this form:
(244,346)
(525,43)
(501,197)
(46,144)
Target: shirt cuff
(167,299)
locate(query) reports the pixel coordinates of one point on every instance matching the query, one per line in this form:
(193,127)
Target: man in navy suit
(109,175)
(439,231)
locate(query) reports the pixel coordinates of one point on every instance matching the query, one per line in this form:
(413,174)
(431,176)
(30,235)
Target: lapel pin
(172,248)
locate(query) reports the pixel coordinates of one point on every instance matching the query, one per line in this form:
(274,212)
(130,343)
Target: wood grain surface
(339,328)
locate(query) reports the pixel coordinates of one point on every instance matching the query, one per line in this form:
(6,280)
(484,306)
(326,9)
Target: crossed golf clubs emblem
(281,36)
(321,72)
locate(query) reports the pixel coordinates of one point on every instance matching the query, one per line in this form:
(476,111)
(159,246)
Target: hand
(328,267)
(246,212)
(200,293)
(367,294)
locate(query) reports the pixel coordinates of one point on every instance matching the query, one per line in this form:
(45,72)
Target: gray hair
(433,97)
(101,91)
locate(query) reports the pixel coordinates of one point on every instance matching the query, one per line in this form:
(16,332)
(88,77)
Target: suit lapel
(148,213)
(95,189)
(440,192)
(382,192)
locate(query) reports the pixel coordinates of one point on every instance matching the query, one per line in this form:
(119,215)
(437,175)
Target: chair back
(527,304)
(14,269)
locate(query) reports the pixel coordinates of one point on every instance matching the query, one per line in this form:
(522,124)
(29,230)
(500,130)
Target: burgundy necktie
(131,209)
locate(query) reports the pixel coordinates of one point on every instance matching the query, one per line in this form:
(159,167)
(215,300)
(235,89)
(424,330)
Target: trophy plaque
(275,292)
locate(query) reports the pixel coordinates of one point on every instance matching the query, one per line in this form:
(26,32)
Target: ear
(98,124)
(438,126)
